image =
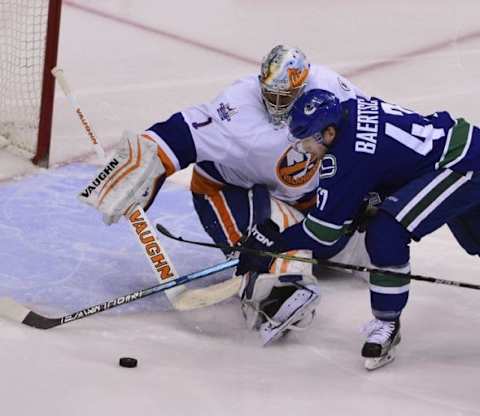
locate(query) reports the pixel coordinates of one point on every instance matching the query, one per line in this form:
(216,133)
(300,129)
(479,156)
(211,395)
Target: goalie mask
(283,77)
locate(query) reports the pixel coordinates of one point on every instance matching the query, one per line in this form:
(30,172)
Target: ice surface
(136,62)
(57,257)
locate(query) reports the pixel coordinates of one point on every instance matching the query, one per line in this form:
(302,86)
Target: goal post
(48,88)
(29,33)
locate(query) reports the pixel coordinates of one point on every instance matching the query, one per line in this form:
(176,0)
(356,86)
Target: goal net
(28,49)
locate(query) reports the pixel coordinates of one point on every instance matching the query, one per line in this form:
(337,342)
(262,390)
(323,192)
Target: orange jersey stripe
(226,219)
(204,186)
(162,155)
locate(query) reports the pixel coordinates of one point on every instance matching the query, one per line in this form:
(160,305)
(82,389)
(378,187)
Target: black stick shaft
(329,263)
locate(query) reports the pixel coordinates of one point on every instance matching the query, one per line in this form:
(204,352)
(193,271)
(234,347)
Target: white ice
(57,257)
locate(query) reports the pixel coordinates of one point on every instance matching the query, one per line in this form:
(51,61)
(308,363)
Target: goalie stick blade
(206,296)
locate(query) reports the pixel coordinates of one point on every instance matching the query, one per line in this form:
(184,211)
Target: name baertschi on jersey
(367,126)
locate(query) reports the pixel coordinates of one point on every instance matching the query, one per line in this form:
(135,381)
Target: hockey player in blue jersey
(427,168)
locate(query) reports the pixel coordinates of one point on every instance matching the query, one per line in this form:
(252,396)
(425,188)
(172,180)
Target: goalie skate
(296,313)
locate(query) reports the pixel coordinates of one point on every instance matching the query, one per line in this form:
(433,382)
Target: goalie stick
(161,264)
(19,313)
(327,263)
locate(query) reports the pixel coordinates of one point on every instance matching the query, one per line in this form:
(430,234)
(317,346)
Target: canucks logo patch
(329,166)
(225,111)
(296,169)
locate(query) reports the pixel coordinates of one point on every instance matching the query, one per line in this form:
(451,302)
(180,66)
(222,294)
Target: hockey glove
(367,211)
(265,237)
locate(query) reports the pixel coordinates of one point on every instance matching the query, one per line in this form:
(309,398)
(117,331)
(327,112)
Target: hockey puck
(128,362)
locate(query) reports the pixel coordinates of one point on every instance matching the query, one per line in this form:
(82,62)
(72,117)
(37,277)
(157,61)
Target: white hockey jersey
(234,132)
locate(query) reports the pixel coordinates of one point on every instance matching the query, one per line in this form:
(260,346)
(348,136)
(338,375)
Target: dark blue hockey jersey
(379,148)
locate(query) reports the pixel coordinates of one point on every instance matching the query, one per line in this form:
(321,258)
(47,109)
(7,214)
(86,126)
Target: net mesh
(23,26)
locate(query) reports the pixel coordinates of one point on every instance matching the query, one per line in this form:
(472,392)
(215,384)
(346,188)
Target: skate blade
(374,363)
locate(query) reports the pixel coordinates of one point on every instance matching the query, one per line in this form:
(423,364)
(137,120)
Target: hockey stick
(157,257)
(328,263)
(19,313)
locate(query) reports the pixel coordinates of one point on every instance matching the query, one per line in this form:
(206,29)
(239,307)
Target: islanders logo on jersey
(296,169)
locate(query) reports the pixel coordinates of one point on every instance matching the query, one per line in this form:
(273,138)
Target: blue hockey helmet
(312,113)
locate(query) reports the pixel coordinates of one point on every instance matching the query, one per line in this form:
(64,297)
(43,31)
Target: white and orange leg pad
(132,177)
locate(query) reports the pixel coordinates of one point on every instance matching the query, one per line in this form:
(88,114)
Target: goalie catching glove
(132,177)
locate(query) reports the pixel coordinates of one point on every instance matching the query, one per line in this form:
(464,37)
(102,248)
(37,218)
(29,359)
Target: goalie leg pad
(132,177)
(276,302)
(296,312)
(274,298)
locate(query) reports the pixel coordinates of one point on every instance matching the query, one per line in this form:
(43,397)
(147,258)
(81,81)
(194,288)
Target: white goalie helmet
(283,77)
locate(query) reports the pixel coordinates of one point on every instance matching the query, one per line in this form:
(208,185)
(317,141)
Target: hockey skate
(382,338)
(296,313)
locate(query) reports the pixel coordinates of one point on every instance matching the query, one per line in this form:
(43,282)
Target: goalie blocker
(132,177)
